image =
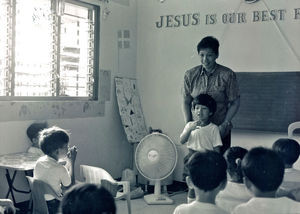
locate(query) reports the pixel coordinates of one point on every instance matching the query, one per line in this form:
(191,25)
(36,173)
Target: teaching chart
(130,109)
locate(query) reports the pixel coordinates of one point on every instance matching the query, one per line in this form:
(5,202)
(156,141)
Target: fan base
(157,199)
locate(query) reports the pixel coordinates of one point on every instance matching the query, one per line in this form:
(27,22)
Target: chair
(38,190)
(96,175)
(292,127)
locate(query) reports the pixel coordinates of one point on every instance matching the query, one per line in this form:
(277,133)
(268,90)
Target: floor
(139,206)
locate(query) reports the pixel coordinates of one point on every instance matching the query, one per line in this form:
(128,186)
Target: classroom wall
(100,139)
(254,42)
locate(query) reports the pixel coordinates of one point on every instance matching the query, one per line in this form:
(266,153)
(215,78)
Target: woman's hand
(224,128)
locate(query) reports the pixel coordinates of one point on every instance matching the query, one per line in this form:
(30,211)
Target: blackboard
(270,101)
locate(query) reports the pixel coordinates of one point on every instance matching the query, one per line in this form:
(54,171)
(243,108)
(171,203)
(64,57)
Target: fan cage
(175,153)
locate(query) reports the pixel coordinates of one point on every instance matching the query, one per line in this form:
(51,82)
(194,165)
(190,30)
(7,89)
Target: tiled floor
(139,206)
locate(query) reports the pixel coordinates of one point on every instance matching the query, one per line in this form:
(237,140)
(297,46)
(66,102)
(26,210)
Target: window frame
(88,4)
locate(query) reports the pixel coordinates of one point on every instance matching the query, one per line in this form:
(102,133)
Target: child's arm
(72,157)
(189,127)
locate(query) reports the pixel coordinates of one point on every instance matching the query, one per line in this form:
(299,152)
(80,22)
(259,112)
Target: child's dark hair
(53,138)
(287,149)
(207,169)
(206,100)
(264,168)
(209,42)
(34,129)
(233,156)
(88,198)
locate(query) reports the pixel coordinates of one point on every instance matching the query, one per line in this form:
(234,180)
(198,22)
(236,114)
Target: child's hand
(72,153)
(192,125)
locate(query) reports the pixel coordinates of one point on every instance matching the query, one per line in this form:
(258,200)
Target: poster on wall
(130,109)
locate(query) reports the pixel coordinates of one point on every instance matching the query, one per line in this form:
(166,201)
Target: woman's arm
(186,108)
(232,110)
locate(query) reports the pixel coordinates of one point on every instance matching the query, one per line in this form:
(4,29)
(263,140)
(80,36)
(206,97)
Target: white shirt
(291,179)
(198,207)
(206,137)
(257,205)
(233,195)
(50,171)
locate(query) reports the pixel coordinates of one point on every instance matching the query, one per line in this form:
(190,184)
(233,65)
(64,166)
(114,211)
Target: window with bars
(48,49)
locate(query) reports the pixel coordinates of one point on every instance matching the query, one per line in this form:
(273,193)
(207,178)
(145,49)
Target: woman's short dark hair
(206,100)
(209,42)
(264,168)
(88,198)
(207,169)
(287,149)
(53,138)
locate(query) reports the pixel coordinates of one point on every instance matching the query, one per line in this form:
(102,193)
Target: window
(48,49)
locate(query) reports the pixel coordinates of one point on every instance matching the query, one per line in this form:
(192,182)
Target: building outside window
(49,49)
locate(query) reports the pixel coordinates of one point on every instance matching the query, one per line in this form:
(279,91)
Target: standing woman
(216,80)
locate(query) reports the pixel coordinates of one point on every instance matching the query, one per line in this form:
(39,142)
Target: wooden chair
(292,127)
(96,175)
(38,189)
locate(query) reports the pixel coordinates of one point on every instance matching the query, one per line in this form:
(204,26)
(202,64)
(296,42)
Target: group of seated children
(259,181)
(238,182)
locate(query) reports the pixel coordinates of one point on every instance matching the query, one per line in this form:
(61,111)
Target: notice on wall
(130,109)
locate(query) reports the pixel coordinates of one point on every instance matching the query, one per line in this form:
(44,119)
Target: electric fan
(155,159)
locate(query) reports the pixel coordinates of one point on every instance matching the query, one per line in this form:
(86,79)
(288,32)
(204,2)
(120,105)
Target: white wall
(164,54)
(101,141)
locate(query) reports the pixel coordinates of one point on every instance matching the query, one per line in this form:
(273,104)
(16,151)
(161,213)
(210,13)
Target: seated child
(7,206)
(54,143)
(263,173)
(288,150)
(33,134)
(207,176)
(88,198)
(235,191)
(201,134)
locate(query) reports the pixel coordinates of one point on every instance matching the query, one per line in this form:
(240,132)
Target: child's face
(202,113)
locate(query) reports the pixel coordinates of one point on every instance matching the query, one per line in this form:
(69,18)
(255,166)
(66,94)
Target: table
(22,161)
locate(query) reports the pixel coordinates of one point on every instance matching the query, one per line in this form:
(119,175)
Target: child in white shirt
(235,191)
(263,173)
(288,150)
(201,134)
(54,143)
(207,176)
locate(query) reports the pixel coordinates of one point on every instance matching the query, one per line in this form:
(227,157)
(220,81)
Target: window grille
(48,49)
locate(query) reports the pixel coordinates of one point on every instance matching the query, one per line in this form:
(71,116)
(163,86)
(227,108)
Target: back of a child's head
(53,138)
(264,168)
(34,129)
(207,169)
(88,198)
(233,156)
(205,100)
(287,149)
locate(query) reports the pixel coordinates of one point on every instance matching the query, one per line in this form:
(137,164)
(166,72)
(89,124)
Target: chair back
(38,190)
(292,127)
(94,175)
